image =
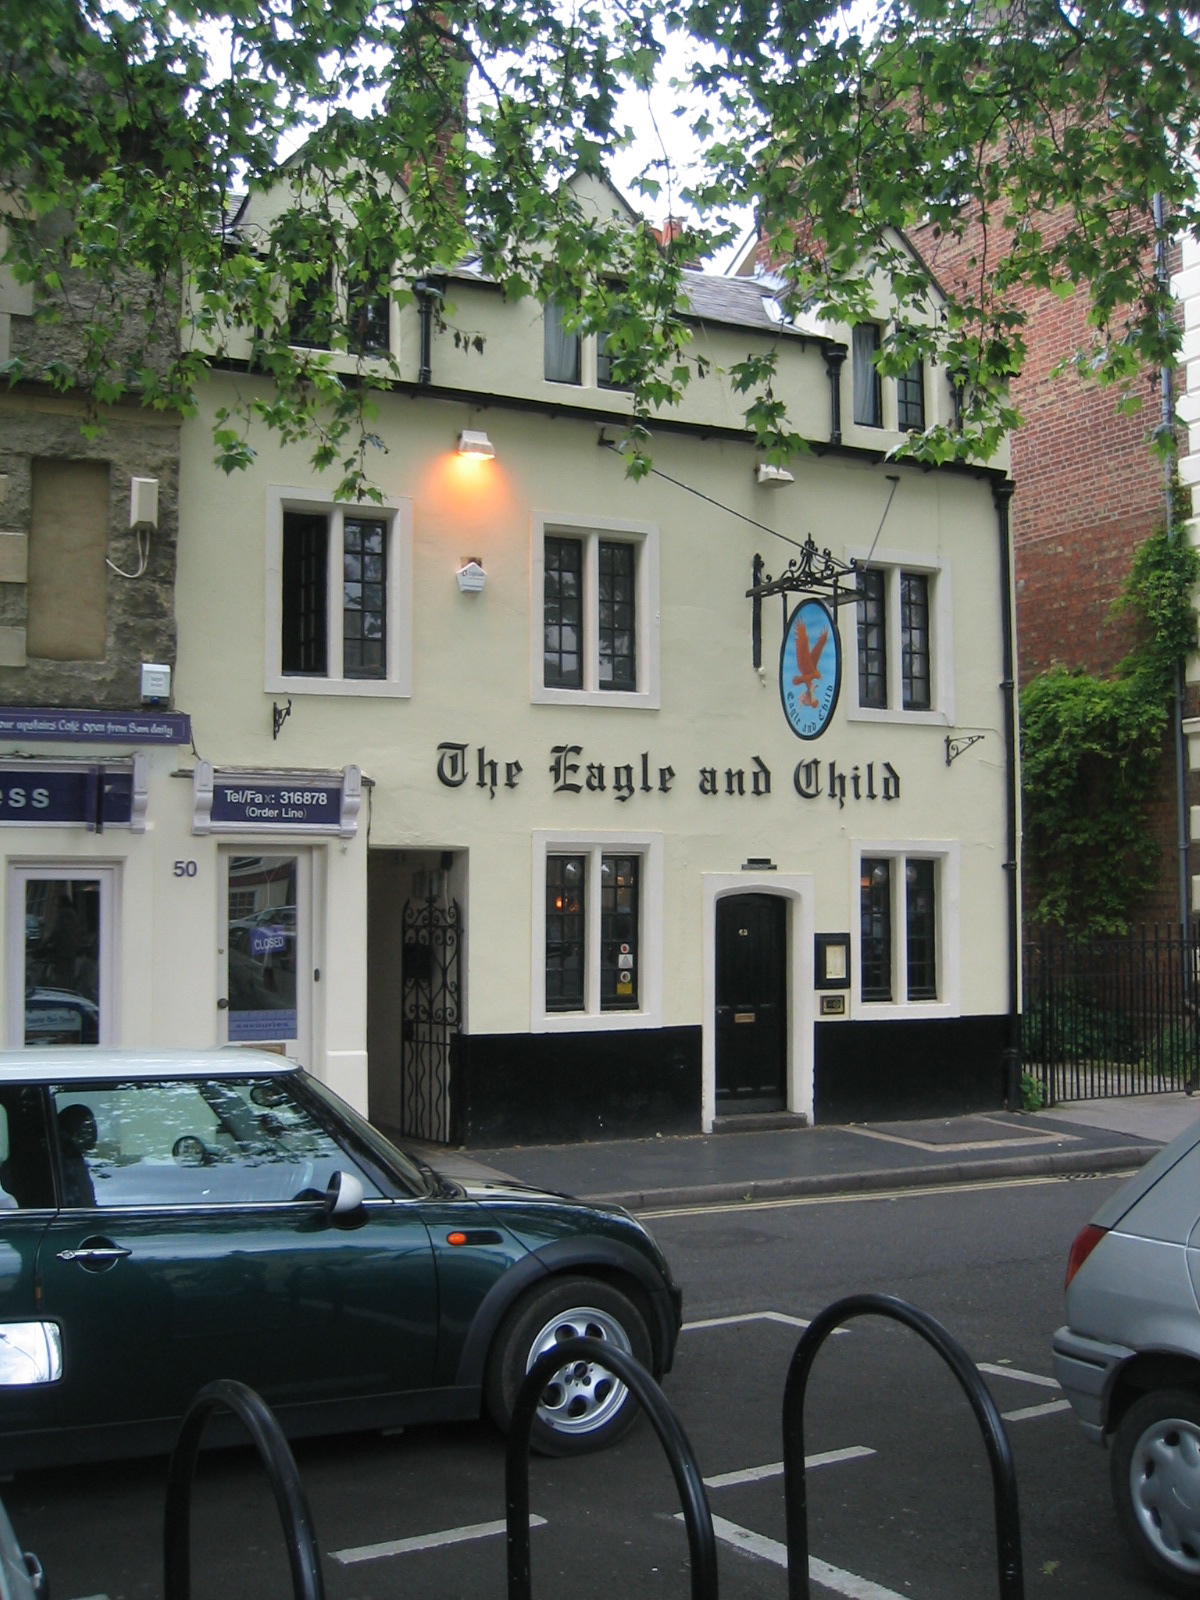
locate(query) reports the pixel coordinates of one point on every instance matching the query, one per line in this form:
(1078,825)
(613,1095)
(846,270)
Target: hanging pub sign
(74,794)
(810,669)
(276,802)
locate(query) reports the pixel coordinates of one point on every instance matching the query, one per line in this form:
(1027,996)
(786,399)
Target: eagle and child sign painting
(810,669)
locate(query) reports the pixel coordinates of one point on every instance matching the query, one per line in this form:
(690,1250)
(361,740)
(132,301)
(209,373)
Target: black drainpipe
(1002,493)
(833,366)
(427,293)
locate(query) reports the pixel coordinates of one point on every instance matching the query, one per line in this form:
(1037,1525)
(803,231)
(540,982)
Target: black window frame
(872,639)
(566,959)
(364,598)
(875,913)
(910,398)
(562,612)
(916,651)
(620,924)
(920,914)
(304,581)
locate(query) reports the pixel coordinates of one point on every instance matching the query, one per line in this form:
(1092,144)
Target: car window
(203,1142)
(26,1176)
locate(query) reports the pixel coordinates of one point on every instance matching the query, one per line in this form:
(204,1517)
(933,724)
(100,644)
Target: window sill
(638,700)
(934,719)
(902,1010)
(364,688)
(594,1022)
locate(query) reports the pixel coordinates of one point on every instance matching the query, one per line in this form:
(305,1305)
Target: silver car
(1128,1358)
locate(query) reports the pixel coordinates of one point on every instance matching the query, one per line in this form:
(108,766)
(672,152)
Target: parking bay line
(774,1469)
(756,1544)
(424,1541)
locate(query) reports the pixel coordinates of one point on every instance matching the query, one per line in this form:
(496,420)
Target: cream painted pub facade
(502,803)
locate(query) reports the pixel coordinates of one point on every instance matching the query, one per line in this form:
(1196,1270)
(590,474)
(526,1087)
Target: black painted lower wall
(551,1088)
(555,1088)
(942,1067)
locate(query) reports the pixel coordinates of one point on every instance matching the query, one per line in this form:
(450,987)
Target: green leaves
(1020,148)
(1092,749)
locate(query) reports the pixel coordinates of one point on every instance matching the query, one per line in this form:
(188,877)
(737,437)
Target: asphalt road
(901,1506)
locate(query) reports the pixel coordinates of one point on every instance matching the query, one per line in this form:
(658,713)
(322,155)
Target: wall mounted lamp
(774,476)
(475,443)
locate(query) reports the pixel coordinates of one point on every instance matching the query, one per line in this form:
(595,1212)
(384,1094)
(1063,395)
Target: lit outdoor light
(472,442)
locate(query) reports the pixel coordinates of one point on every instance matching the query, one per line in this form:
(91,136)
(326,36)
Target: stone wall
(37,424)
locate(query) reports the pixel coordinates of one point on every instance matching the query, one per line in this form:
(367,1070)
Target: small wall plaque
(832,961)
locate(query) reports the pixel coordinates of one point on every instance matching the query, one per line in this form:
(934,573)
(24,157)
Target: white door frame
(299,1048)
(108,876)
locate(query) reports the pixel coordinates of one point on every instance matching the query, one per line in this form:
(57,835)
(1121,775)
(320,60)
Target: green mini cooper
(170,1218)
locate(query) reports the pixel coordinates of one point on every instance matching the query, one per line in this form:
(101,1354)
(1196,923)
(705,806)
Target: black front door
(751,1002)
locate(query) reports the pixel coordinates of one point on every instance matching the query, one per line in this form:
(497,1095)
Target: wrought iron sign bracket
(816,573)
(956,747)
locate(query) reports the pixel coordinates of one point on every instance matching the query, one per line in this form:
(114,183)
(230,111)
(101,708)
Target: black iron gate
(1112,1015)
(431,1014)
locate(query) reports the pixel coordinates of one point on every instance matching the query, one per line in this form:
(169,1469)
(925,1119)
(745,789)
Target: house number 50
(185,869)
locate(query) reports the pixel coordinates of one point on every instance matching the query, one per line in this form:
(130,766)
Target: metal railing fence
(1111,1015)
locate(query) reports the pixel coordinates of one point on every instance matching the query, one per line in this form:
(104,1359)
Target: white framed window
(338,595)
(905,929)
(597,950)
(904,641)
(61,979)
(595,609)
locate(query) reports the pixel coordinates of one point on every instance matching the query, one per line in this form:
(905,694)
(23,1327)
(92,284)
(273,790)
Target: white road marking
(774,1469)
(1015,1372)
(754,1544)
(424,1541)
(751,1316)
(745,1316)
(859,1196)
(1046,1410)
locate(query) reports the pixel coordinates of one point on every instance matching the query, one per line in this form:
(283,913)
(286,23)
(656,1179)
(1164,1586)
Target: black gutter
(406,388)
(1002,493)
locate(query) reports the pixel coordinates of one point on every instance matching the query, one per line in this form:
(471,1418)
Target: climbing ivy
(1092,749)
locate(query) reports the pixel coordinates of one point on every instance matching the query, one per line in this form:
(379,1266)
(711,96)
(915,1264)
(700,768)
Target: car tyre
(583,1408)
(1156,1485)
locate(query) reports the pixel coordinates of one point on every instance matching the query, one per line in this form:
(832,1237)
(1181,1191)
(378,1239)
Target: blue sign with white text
(280,804)
(88,795)
(104,727)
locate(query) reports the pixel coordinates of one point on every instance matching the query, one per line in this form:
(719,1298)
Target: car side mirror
(343,1195)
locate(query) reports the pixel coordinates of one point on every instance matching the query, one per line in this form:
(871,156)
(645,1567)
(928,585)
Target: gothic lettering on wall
(571,773)
(813,779)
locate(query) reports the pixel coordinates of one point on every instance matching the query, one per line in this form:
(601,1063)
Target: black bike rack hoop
(1004,1477)
(225,1394)
(702,1544)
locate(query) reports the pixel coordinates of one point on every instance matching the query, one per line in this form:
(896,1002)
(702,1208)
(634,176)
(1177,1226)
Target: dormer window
(562,348)
(910,399)
(868,397)
(355,307)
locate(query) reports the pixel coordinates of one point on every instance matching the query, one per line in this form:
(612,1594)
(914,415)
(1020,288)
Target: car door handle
(95,1254)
